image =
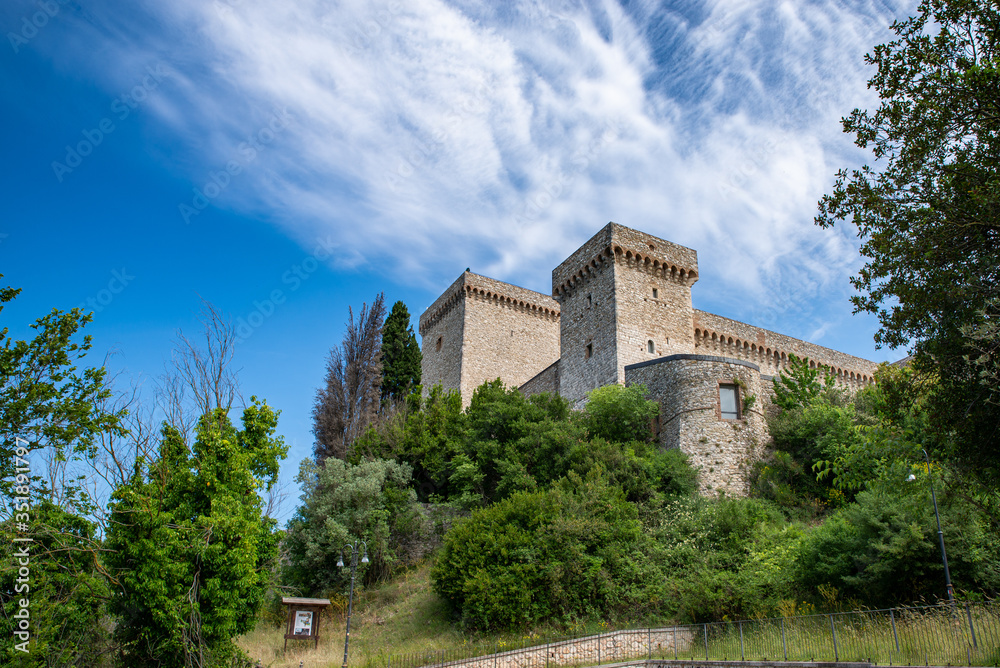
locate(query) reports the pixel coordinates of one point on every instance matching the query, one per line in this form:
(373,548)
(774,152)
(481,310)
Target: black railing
(942,635)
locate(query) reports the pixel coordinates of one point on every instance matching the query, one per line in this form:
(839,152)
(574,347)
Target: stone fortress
(621,312)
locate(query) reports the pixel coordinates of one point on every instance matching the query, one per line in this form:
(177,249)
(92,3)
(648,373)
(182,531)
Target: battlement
(771,350)
(484,288)
(616,243)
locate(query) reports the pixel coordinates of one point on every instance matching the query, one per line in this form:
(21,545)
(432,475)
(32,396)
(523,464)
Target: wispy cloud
(428,136)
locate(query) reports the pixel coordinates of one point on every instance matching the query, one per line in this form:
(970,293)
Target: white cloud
(435,136)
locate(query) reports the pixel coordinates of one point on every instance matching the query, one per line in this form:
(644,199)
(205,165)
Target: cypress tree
(400,354)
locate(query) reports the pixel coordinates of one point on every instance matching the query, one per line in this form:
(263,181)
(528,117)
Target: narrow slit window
(656,293)
(590,301)
(590,351)
(437,346)
(729,396)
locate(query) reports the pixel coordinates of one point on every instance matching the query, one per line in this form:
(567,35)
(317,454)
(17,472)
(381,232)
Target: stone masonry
(481,329)
(603,648)
(621,312)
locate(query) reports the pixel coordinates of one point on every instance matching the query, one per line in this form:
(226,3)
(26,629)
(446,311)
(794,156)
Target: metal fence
(941,635)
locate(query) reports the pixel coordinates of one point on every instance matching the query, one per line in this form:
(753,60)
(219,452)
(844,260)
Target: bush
(883,549)
(69,624)
(723,558)
(575,550)
(620,414)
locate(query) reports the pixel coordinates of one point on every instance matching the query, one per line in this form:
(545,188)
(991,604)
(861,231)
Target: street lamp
(944,555)
(350,600)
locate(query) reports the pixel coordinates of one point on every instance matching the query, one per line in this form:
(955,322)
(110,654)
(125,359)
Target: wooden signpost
(303,618)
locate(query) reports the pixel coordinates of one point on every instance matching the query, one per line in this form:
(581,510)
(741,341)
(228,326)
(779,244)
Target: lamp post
(944,555)
(350,600)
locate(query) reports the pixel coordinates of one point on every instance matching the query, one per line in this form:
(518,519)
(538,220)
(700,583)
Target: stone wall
(687,389)
(510,333)
(653,305)
(619,291)
(442,335)
(588,325)
(715,335)
(482,329)
(546,381)
(602,648)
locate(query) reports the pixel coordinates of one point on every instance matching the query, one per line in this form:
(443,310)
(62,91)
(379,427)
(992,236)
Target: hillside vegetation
(575,517)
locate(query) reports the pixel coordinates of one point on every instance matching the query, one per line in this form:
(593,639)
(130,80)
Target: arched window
(437,346)
(650,346)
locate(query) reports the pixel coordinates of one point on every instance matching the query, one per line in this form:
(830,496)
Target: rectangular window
(656,293)
(729,402)
(590,351)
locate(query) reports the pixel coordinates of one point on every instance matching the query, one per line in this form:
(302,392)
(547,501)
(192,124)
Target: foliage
(66,591)
(883,549)
(432,438)
(400,355)
(506,442)
(44,397)
(350,398)
(928,220)
(723,558)
(517,443)
(188,545)
(798,385)
(570,551)
(620,414)
(812,426)
(341,503)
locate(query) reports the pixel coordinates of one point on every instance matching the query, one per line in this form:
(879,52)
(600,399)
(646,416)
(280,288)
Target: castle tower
(624,298)
(481,329)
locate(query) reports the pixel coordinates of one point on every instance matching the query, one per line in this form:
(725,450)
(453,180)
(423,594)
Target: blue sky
(321,152)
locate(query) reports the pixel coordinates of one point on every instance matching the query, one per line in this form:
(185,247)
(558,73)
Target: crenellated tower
(624,297)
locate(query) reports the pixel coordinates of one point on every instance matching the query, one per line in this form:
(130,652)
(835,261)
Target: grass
(937,636)
(401,616)
(406,617)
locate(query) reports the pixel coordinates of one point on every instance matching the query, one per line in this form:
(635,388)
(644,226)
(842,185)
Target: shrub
(620,414)
(572,551)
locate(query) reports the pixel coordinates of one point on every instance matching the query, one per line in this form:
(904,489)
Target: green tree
(66,591)
(52,408)
(883,549)
(928,218)
(44,397)
(799,385)
(188,544)
(400,355)
(620,414)
(342,502)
